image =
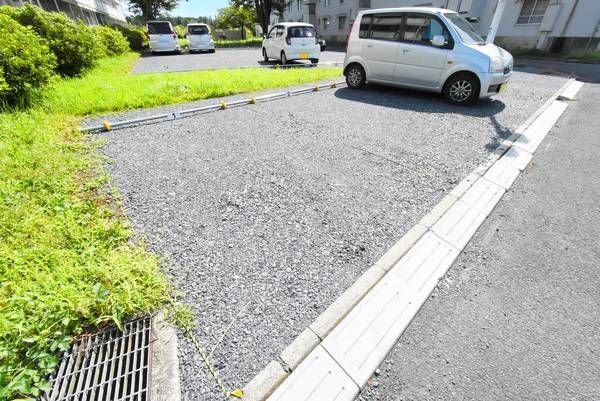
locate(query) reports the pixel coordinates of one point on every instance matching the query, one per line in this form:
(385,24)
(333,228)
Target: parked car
(288,41)
(425,48)
(199,39)
(162,37)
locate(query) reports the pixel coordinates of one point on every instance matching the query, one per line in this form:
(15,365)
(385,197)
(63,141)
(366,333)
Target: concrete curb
(108,126)
(165,384)
(454,219)
(265,382)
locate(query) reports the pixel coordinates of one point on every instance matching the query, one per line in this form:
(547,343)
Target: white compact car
(162,37)
(199,39)
(291,41)
(425,48)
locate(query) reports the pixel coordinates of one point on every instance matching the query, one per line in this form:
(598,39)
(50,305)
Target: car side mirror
(438,41)
(264,36)
(473,19)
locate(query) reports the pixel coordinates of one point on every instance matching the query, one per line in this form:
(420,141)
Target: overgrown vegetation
(111,41)
(252,42)
(67,261)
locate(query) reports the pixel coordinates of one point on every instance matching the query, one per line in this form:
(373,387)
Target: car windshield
(159,28)
(465,30)
(198,30)
(301,32)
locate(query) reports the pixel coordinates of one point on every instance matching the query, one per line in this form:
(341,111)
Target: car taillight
(288,40)
(316,40)
(174,35)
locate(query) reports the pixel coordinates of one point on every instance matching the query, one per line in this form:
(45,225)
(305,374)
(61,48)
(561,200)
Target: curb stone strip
(108,126)
(484,192)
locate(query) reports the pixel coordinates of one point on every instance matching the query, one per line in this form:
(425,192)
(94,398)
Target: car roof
(429,10)
(197,23)
(288,24)
(162,22)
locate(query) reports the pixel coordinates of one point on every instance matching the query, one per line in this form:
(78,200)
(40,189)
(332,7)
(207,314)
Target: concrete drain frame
(106,365)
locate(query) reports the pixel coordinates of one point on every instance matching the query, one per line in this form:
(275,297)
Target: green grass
(252,42)
(67,259)
(111,88)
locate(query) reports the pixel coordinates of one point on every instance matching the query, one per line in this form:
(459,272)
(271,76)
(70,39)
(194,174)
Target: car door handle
(369,45)
(405,51)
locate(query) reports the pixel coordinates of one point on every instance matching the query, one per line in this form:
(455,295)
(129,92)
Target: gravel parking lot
(222,58)
(270,211)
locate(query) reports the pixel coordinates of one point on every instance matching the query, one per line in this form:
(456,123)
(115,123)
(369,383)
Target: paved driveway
(273,210)
(222,58)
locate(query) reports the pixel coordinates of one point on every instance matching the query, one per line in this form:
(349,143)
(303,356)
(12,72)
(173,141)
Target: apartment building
(548,25)
(92,12)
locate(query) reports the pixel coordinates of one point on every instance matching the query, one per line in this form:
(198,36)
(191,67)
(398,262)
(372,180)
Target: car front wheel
(462,89)
(314,60)
(264,54)
(355,76)
(284,59)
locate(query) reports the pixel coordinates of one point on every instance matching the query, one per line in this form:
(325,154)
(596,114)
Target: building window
(532,11)
(325,22)
(289,7)
(341,22)
(299,4)
(326,3)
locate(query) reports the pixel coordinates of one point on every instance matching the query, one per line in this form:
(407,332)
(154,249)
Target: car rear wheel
(462,89)
(314,60)
(355,76)
(284,59)
(265,57)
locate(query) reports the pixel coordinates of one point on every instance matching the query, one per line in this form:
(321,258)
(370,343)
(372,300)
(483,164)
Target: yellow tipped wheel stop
(252,100)
(237,393)
(316,89)
(333,85)
(107,126)
(223,105)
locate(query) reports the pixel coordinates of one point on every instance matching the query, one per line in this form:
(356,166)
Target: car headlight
(496,64)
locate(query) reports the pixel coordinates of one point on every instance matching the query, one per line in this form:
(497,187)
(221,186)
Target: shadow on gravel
(584,72)
(418,101)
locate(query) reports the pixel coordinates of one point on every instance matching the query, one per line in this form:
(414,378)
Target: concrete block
(464,185)
(432,217)
(570,91)
(327,320)
(398,250)
(302,345)
(459,224)
(483,196)
(503,173)
(265,382)
(537,131)
(317,378)
(165,385)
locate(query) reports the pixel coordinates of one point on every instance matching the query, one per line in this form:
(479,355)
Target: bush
(25,62)
(136,36)
(73,43)
(181,31)
(113,42)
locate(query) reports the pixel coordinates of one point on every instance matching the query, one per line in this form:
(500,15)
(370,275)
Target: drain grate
(106,366)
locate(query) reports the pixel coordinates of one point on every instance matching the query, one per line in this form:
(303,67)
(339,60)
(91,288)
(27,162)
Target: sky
(197,8)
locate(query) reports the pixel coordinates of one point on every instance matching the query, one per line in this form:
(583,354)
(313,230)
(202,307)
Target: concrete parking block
(483,196)
(464,185)
(537,131)
(363,339)
(504,172)
(165,385)
(265,382)
(520,157)
(393,255)
(329,319)
(298,349)
(318,378)
(571,91)
(459,224)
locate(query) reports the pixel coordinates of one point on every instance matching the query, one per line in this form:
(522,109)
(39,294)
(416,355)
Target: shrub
(113,42)
(71,42)
(181,31)
(136,36)
(26,63)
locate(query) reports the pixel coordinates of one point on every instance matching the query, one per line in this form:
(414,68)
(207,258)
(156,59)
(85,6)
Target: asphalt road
(517,316)
(222,58)
(271,211)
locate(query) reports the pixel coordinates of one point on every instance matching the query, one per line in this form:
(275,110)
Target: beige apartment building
(92,12)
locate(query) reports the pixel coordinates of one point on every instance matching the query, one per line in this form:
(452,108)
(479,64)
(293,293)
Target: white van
(199,39)
(162,37)
(425,48)
(288,41)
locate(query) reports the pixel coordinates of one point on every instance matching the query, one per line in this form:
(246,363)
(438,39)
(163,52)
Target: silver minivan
(425,48)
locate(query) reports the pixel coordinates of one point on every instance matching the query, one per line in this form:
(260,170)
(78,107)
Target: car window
(272,32)
(420,29)
(385,27)
(198,30)
(365,26)
(159,28)
(279,31)
(301,32)
(466,32)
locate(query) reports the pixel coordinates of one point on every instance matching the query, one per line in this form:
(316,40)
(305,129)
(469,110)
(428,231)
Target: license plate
(303,56)
(502,88)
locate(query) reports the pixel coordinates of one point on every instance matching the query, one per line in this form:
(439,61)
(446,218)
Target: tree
(263,9)
(236,16)
(151,9)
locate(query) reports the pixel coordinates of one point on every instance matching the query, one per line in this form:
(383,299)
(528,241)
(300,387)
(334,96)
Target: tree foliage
(263,9)
(151,9)
(235,16)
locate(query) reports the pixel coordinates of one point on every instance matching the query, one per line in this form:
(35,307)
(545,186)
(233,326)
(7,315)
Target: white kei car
(288,41)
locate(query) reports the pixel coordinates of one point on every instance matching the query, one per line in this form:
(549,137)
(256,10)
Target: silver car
(425,48)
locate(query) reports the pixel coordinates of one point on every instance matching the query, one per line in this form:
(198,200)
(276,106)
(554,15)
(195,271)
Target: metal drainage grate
(106,366)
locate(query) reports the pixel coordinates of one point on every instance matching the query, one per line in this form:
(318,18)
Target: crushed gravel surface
(222,58)
(276,208)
